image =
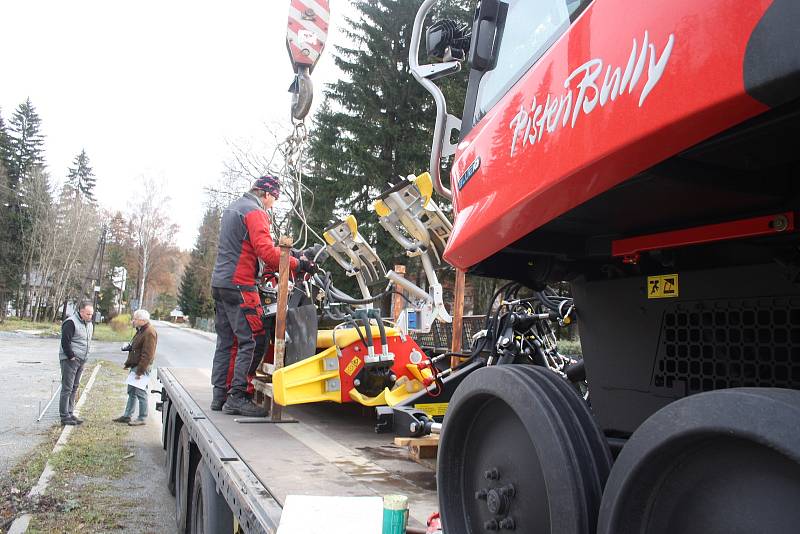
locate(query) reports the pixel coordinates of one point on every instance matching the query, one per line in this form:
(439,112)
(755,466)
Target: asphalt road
(182,347)
(31,376)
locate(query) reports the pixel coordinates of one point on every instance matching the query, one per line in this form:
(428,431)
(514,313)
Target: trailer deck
(332,450)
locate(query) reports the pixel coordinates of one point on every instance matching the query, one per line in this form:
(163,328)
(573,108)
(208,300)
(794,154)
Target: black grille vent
(735,343)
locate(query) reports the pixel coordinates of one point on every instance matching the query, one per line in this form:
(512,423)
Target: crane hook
(302,90)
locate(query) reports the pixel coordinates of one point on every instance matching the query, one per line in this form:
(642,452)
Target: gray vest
(81,340)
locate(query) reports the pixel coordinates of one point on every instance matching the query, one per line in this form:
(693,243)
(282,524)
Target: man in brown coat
(141,354)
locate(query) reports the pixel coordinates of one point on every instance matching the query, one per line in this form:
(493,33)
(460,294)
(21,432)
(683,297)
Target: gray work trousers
(70,380)
(238,316)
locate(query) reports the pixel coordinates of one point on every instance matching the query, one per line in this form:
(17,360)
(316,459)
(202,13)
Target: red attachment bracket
(630,248)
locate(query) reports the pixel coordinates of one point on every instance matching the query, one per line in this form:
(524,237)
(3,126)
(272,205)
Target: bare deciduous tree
(152,231)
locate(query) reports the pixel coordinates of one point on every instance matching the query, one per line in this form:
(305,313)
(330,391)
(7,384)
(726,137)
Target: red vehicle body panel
(564,157)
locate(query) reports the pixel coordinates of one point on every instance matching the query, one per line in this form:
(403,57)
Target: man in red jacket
(244,238)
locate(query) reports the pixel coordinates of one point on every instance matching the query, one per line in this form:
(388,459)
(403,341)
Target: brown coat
(143,349)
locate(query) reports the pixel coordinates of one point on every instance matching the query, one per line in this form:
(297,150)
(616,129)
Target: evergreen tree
(9,270)
(80,178)
(376,123)
(5,147)
(25,143)
(194,296)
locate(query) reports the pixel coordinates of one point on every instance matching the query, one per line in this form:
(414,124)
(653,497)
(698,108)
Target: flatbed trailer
(222,467)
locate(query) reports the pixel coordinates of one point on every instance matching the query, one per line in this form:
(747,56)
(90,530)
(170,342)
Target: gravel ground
(147,482)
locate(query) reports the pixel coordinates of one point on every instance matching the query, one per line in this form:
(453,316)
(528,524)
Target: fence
(201,323)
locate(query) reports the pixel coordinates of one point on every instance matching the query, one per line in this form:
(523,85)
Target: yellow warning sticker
(662,287)
(433,409)
(352,366)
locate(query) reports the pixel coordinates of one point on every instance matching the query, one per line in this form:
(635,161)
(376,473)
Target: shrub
(120,323)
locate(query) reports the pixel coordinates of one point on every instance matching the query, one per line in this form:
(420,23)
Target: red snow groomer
(649,154)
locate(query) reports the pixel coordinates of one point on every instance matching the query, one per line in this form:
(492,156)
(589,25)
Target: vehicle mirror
(447,39)
(485,35)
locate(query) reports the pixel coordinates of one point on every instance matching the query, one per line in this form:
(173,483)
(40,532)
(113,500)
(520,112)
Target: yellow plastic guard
(402,389)
(380,400)
(425,186)
(381,208)
(353,224)
(346,336)
(308,380)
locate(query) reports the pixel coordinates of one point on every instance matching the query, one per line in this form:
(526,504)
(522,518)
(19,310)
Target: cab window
(530,28)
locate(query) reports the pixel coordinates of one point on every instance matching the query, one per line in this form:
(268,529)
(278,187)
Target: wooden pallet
(263,392)
(420,448)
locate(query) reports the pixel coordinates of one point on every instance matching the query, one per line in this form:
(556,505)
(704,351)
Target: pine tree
(194,295)
(26,143)
(376,122)
(5,147)
(80,178)
(9,270)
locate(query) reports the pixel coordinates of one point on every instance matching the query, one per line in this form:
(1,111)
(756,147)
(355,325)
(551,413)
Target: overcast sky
(153,88)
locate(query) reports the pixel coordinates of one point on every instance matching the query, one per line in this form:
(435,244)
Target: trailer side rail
(255,508)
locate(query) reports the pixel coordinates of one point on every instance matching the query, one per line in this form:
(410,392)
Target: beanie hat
(268,183)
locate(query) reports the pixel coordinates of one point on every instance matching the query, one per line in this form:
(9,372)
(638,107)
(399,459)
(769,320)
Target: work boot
(122,419)
(238,404)
(218,400)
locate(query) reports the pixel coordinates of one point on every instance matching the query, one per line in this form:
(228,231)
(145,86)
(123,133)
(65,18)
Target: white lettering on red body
(585,90)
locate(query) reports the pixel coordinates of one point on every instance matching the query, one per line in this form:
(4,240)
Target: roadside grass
(102,331)
(94,457)
(12,324)
(22,477)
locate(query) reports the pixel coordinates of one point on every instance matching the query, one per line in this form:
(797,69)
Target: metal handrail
(444,123)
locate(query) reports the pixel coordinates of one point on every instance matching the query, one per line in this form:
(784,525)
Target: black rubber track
(570,455)
(720,462)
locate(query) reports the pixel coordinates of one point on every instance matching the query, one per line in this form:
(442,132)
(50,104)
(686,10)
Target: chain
(294,150)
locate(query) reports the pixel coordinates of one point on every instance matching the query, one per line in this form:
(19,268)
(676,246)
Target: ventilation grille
(736,343)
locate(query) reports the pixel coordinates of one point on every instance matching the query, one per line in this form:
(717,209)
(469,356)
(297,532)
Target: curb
(20,524)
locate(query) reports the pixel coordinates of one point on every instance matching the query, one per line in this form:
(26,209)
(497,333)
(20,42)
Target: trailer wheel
(172,449)
(520,451)
(209,511)
(185,465)
(712,463)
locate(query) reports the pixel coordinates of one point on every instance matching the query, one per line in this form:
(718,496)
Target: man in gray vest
(76,341)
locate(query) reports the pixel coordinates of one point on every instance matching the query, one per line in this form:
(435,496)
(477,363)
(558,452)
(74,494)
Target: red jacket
(244,237)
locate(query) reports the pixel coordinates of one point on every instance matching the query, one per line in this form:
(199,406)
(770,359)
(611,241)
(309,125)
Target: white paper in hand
(139,383)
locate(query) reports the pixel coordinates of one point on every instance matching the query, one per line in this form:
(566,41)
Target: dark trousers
(70,380)
(238,316)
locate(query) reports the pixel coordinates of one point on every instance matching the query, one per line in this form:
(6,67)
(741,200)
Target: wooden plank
(432,440)
(398,303)
(285,243)
(420,448)
(458,317)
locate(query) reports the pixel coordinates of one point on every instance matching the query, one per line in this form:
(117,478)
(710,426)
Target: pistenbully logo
(530,124)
